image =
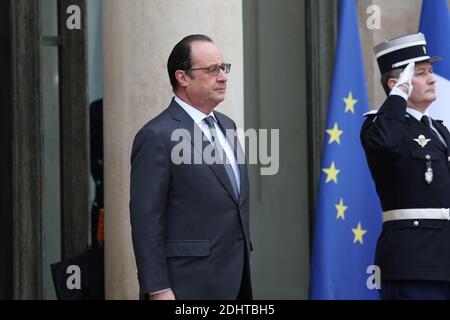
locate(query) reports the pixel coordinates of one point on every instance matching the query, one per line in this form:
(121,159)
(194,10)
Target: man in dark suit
(190,220)
(409,159)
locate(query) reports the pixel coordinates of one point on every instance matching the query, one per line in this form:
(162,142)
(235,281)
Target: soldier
(409,159)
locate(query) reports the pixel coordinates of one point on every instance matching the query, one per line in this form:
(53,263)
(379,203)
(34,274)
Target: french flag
(435,25)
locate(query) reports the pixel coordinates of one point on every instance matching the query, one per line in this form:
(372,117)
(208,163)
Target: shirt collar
(416,114)
(194,113)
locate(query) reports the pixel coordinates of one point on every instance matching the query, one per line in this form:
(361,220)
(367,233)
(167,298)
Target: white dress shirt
(198,117)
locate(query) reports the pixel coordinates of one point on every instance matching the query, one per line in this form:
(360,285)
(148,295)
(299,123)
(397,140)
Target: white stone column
(398,18)
(138,36)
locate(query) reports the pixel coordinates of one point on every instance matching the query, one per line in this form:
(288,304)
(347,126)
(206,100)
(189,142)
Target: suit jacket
(190,232)
(409,249)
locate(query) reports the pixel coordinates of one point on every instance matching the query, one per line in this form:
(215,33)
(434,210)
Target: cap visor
(435,59)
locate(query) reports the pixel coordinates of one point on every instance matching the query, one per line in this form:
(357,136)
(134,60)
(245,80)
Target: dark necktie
(427,123)
(215,141)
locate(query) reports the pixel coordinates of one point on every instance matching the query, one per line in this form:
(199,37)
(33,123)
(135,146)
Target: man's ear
(182,78)
(391,82)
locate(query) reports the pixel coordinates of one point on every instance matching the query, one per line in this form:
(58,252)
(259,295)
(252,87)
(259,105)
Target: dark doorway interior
(6,255)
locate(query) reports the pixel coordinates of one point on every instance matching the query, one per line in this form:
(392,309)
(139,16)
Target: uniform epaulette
(371,112)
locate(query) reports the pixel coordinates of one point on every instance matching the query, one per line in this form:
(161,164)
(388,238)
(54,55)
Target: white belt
(402,214)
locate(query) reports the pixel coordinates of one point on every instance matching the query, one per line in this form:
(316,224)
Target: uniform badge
(429,175)
(422,141)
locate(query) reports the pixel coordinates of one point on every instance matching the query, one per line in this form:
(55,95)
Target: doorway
(6,254)
(49,129)
(276,98)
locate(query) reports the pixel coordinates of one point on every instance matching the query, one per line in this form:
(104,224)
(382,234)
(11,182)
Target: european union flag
(435,25)
(348,216)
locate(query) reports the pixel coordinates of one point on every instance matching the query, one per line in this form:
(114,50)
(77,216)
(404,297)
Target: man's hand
(403,87)
(165,295)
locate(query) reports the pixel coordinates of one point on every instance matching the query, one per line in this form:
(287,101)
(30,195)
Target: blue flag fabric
(435,25)
(348,215)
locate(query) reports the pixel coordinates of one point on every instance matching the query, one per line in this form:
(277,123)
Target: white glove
(403,87)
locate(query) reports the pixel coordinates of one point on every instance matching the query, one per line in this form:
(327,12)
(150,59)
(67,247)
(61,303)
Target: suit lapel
(444,133)
(195,134)
(439,127)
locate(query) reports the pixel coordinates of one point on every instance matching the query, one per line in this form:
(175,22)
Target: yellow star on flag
(350,103)
(359,232)
(331,173)
(335,134)
(341,209)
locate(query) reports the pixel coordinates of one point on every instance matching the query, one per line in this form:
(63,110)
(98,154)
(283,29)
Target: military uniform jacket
(409,249)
